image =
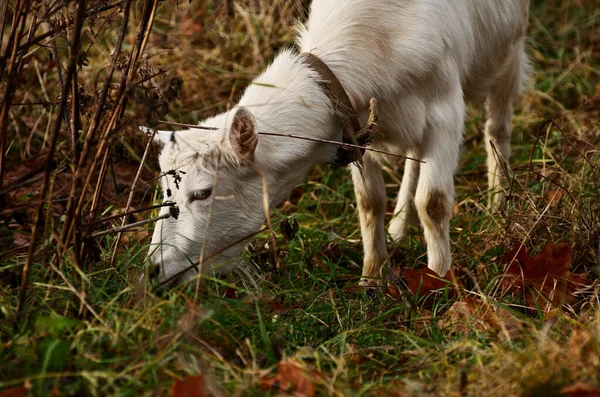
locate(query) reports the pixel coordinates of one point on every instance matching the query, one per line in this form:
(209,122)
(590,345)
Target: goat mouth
(179,278)
(171,282)
(153,275)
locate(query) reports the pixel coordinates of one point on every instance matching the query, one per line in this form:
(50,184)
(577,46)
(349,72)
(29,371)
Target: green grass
(127,341)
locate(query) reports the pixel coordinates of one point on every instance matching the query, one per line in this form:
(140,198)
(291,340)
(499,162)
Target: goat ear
(243,134)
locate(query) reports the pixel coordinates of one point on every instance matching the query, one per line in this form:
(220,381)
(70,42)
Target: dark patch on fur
(437,206)
(365,204)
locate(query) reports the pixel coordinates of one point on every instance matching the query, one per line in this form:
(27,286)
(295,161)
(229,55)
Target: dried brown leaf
(424,281)
(544,279)
(14,392)
(292,377)
(190,386)
(580,389)
(474,313)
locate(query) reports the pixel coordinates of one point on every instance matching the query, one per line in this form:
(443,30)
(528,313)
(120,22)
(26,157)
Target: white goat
(421,59)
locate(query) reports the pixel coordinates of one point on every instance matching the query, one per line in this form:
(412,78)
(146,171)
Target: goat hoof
(396,230)
(370,282)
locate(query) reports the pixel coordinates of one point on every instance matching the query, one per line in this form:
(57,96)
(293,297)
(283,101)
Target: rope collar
(352,131)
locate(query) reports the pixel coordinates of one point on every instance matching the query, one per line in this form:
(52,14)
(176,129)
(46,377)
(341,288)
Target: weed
(74,321)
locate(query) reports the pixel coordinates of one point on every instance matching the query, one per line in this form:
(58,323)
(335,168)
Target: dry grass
(81,327)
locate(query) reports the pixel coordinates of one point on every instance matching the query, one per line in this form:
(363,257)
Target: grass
(94,331)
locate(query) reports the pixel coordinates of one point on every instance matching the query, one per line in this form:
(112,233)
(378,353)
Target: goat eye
(200,195)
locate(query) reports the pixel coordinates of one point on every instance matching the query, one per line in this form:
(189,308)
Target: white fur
(420,58)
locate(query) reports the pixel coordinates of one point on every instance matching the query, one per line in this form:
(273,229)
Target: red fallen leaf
(388,393)
(393,291)
(424,281)
(595,99)
(580,389)
(230,293)
(543,278)
(14,392)
(359,358)
(284,307)
(291,378)
(474,313)
(190,386)
(553,196)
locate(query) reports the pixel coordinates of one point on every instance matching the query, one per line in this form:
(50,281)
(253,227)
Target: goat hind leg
(498,127)
(405,211)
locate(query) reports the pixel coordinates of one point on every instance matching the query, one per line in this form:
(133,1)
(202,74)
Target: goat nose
(153,271)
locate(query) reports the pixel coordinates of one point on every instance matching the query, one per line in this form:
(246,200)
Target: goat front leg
(369,188)
(435,190)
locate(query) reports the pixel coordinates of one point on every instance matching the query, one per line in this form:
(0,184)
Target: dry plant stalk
(75,44)
(86,157)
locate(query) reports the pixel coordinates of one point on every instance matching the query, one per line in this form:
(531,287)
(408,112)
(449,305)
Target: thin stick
(564,189)
(29,204)
(130,198)
(118,112)
(217,252)
(128,227)
(73,213)
(3,22)
(265,199)
(117,216)
(78,294)
(61,81)
(306,138)
(199,127)
(149,23)
(30,181)
(54,137)
(206,229)
(559,128)
(36,40)
(12,70)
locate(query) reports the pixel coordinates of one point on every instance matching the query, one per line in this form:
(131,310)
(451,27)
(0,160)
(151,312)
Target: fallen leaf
(474,313)
(544,280)
(231,293)
(393,291)
(424,281)
(580,346)
(357,356)
(580,389)
(388,393)
(190,386)
(595,99)
(20,240)
(292,377)
(553,196)
(14,392)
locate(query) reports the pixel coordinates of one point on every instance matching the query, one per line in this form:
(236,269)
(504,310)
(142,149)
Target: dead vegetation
(518,317)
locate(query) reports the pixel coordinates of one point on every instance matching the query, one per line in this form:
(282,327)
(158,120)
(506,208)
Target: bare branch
(75,44)
(128,227)
(130,198)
